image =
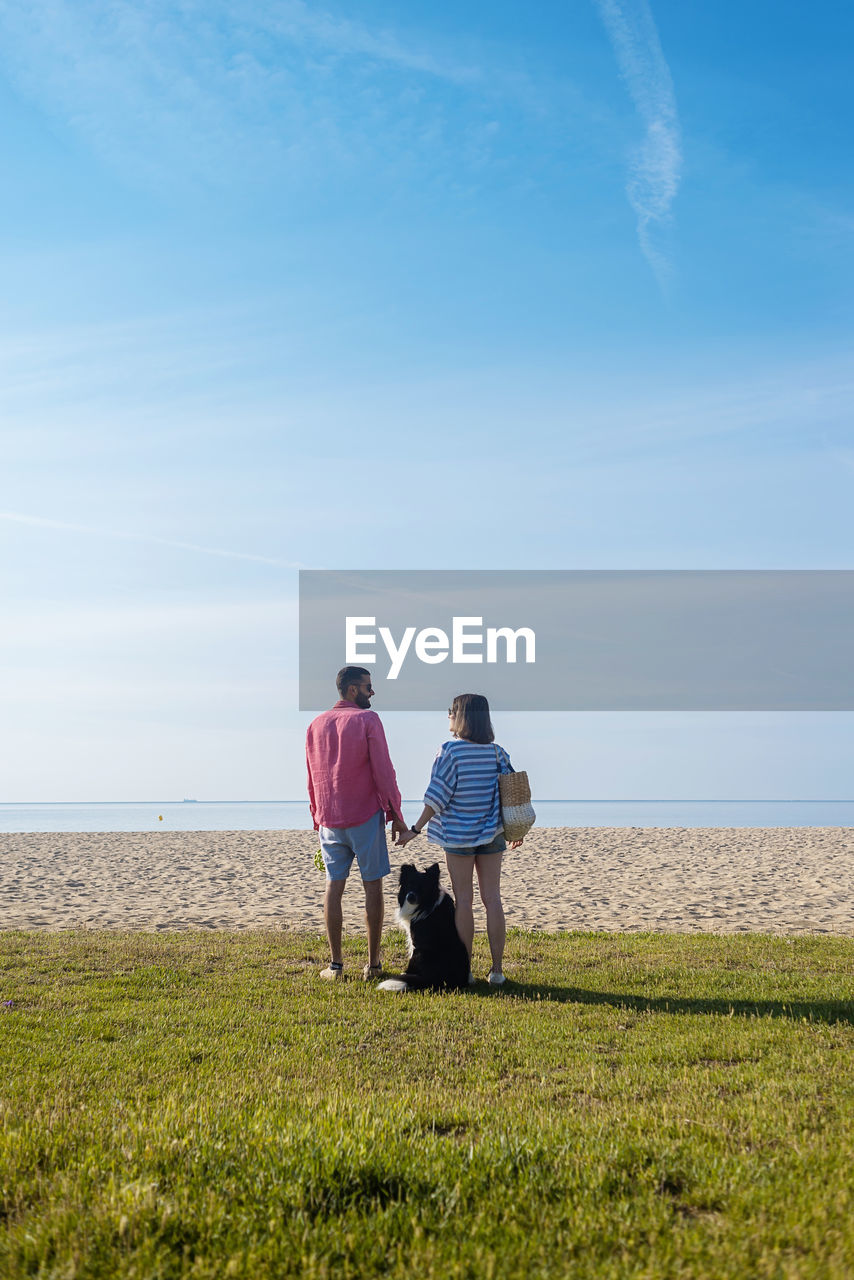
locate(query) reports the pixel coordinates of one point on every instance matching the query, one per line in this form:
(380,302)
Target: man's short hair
(350,675)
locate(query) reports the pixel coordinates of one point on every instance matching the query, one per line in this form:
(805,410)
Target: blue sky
(390,286)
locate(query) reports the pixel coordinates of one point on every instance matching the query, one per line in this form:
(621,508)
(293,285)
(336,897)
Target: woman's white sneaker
(496,979)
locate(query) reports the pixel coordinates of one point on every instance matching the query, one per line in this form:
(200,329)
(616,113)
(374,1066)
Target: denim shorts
(496,845)
(366,843)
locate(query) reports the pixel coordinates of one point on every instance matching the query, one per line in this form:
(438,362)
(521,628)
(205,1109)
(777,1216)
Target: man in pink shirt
(353,793)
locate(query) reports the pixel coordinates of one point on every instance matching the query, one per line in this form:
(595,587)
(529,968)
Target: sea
(293,815)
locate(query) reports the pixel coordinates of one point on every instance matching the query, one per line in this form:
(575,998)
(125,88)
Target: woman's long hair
(471,718)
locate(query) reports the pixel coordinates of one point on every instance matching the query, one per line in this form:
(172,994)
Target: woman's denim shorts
(497,845)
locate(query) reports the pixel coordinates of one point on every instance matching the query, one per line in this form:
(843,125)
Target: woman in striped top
(461,806)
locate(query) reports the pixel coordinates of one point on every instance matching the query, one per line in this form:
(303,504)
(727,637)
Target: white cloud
(304,25)
(44,522)
(62,627)
(180,94)
(656,164)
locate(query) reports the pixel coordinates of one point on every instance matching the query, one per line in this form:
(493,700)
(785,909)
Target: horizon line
(551,800)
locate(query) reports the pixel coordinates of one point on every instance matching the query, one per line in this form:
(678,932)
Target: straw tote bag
(514,793)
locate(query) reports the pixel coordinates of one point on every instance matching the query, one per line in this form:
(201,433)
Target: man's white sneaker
(472,978)
(496,979)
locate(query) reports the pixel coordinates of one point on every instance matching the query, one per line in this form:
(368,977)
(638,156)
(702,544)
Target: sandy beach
(683,880)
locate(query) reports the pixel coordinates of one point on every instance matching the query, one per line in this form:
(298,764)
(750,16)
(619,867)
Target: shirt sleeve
(504,761)
(312,801)
(443,782)
(382,769)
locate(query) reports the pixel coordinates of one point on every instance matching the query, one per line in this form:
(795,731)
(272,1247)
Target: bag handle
(501,772)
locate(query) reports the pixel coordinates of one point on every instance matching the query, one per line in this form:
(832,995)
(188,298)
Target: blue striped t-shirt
(463,789)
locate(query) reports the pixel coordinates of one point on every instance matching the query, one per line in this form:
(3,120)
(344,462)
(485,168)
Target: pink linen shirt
(350,774)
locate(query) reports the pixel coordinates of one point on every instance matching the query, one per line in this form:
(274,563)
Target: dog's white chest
(403,922)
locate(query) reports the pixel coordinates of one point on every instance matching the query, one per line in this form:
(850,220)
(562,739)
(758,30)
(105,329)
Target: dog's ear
(433,872)
(407,871)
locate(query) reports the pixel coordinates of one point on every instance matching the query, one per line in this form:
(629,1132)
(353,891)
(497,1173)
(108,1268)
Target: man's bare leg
(374,912)
(333,916)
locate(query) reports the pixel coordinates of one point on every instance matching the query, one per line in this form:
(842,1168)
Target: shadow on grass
(794,1010)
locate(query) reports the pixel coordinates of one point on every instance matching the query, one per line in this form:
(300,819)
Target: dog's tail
(392,984)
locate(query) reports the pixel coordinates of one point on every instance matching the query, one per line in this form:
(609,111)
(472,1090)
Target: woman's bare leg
(489,882)
(461,871)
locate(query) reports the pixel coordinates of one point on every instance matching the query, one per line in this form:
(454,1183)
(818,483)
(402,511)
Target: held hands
(402,834)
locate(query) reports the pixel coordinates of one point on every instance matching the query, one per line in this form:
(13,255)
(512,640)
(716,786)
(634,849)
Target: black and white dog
(437,958)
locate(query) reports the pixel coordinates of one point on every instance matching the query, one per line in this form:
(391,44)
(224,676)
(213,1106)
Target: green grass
(646,1105)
